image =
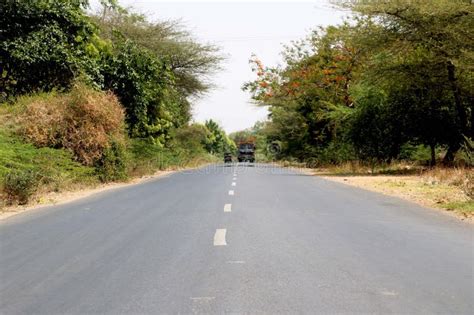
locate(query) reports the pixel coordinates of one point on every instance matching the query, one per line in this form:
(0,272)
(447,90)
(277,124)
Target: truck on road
(246,151)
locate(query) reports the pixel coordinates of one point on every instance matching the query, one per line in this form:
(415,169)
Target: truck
(246,150)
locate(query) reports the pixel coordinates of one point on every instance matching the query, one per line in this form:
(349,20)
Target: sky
(240,29)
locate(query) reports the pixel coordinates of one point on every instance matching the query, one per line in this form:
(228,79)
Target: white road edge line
(231,192)
(219,237)
(227,207)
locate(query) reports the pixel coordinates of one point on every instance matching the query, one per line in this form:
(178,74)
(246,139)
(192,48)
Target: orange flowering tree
(310,96)
(398,75)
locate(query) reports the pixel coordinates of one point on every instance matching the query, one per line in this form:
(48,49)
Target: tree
(190,61)
(417,55)
(154,68)
(441,30)
(217,141)
(310,98)
(43,45)
(141,82)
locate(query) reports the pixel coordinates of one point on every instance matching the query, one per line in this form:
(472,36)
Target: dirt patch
(57,198)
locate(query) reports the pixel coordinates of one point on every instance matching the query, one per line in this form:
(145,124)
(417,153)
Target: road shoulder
(431,194)
(59,198)
(435,196)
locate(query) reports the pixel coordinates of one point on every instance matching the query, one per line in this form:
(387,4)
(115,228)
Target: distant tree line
(397,75)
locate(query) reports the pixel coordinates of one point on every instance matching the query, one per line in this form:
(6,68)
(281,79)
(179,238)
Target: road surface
(265,240)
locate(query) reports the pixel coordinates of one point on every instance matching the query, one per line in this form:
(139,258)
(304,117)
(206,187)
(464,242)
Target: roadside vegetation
(391,86)
(93,98)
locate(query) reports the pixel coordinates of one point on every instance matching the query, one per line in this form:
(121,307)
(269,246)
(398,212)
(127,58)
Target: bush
(465,156)
(192,138)
(81,121)
(20,186)
(418,153)
(55,168)
(112,165)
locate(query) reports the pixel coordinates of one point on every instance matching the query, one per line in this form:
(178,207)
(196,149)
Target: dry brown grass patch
(83,121)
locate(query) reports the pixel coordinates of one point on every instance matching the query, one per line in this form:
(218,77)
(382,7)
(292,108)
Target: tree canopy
(398,72)
(155,68)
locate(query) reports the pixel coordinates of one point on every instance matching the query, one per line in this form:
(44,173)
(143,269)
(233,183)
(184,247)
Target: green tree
(310,98)
(155,69)
(217,141)
(190,61)
(439,31)
(43,45)
(142,83)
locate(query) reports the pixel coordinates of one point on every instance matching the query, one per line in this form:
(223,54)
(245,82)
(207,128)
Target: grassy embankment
(36,171)
(450,189)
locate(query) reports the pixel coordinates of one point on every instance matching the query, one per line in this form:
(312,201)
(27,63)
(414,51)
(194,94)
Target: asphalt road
(284,242)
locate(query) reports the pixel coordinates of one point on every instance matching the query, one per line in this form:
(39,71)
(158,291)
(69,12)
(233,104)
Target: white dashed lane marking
(234,183)
(219,237)
(231,192)
(227,207)
(203,298)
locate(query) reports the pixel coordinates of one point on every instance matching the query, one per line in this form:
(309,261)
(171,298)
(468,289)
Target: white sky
(240,28)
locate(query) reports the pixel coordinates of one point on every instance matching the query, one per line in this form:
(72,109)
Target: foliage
(112,165)
(467,152)
(192,138)
(140,81)
(20,186)
(83,121)
(52,165)
(310,99)
(373,129)
(399,72)
(44,45)
(217,142)
(428,42)
(417,153)
(184,150)
(190,62)
(57,124)
(153,68)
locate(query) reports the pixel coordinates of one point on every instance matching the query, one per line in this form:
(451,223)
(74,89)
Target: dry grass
(457,177)
(82,121)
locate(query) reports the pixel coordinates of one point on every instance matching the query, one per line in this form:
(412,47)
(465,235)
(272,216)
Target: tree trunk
(449,157)
(460,113)
(433,155)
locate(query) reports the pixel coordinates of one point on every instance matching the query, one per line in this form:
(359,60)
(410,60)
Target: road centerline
(219,237)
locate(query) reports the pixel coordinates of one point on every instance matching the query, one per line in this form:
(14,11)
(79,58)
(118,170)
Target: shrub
(465,156)
(112,165)
(81,121)
(20,186)
(191,138)
(418,153)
